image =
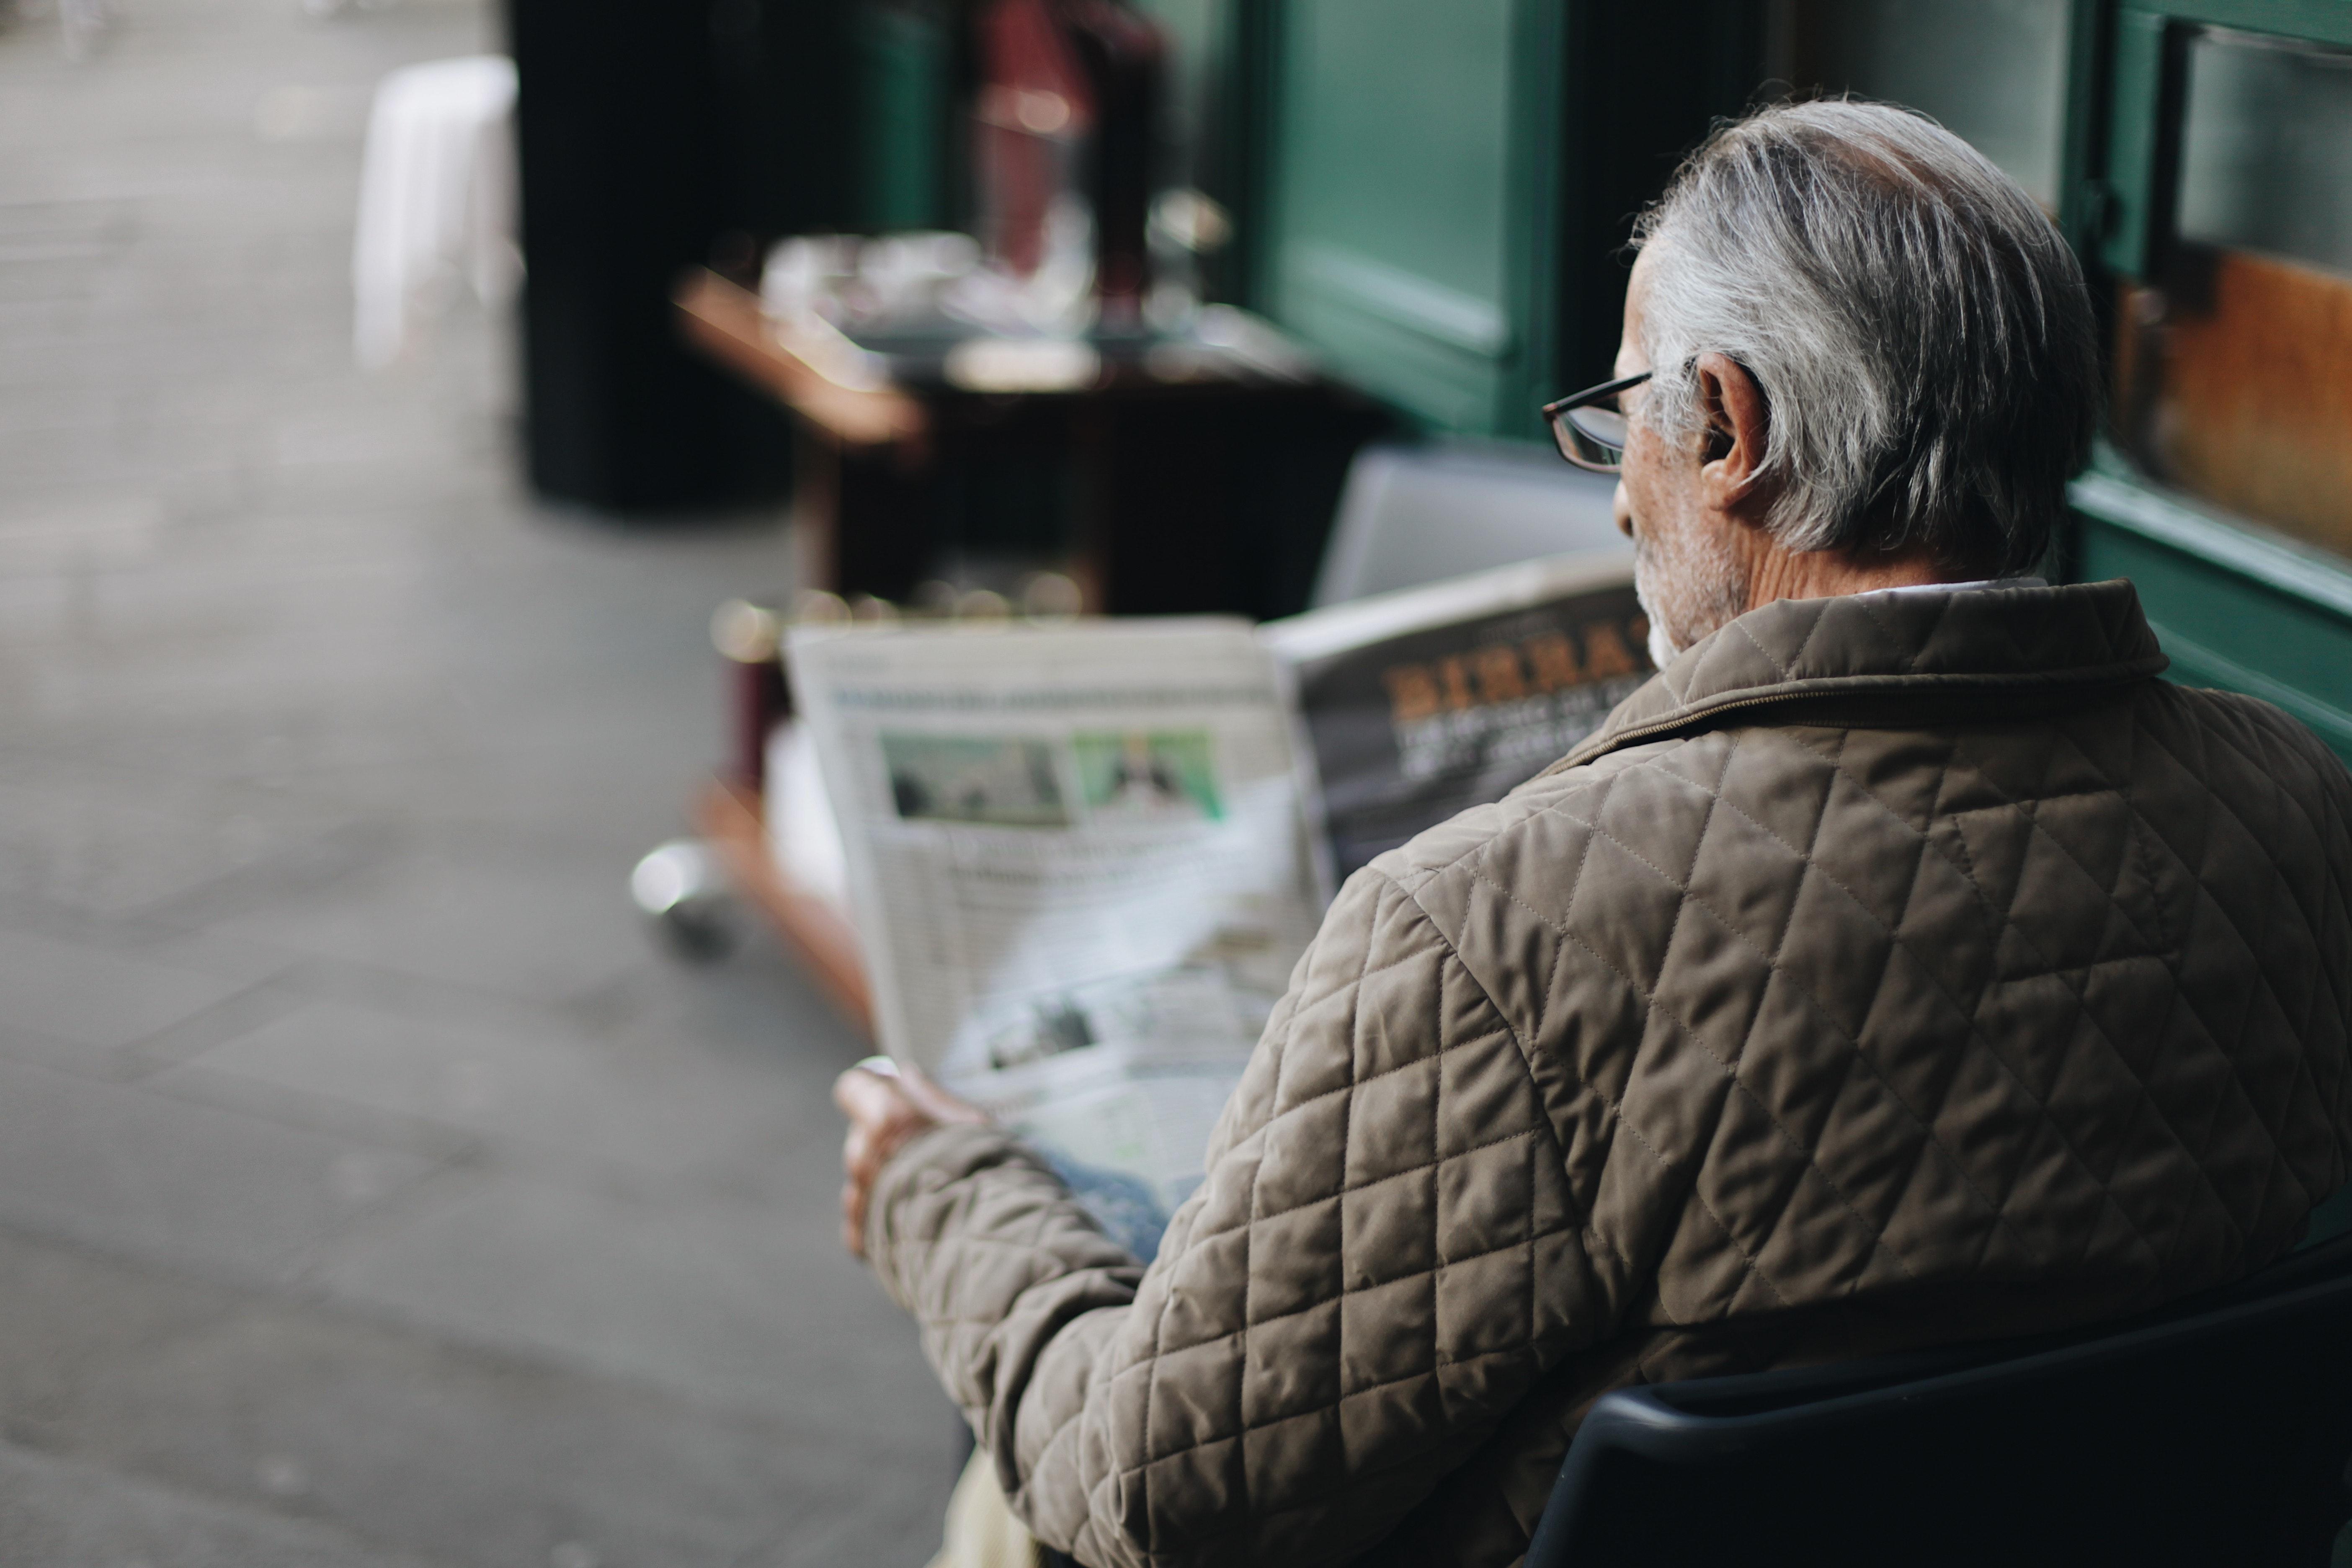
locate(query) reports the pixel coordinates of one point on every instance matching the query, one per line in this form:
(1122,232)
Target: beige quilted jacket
(1891,969)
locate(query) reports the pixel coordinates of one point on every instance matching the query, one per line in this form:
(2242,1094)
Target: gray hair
(1920,329)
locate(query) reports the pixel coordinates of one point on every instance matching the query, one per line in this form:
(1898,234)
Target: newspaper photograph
(1079,859)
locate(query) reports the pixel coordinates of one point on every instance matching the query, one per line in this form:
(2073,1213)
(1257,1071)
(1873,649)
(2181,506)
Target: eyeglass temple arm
(1595,394)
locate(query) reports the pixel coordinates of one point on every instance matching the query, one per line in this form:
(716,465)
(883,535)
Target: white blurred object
(804,271)
(846,280)
(437,199)
(906,271)
(804,834)
(1409,515)
(1022,364)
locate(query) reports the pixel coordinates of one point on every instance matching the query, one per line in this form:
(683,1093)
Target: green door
(1411,148)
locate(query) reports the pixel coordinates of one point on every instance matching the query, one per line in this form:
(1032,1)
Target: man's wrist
(934,1157)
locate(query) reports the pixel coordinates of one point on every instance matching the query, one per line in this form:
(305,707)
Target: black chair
(2216,1432)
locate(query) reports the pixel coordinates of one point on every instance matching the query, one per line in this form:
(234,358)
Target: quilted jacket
(1891,969)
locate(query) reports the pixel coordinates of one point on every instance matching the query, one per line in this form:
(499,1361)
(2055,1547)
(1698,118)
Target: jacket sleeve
(1383,1258)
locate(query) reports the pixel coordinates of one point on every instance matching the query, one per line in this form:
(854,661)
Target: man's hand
(886,1105)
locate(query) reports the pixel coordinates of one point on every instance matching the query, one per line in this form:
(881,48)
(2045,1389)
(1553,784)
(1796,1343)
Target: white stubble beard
(1688,593)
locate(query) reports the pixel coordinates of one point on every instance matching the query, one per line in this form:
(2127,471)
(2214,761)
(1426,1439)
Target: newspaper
(1079,863)
(1420,704)
(1082,861)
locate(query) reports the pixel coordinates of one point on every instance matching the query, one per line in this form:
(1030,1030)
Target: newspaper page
(1079,859)
(1424,702)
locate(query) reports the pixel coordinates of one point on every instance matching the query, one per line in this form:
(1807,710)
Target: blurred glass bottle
(1064,141)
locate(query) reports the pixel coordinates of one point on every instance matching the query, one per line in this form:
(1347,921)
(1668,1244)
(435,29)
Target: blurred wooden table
(1185,475)
(727,322)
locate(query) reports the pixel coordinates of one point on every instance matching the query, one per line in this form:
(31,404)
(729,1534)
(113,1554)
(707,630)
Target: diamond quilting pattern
(1697,1054)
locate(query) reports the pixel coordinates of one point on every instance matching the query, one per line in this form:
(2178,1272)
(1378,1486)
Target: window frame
(2237,604)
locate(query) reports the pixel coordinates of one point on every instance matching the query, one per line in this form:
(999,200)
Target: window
(2235,352)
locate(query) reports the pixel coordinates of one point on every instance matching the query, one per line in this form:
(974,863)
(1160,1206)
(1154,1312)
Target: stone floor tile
(477,1456)
(548,1086)
(59,1514)
(116,1165)
(236,959)
(543,929)
(348,1121)
(734,1304)
(95,997)
(123,842)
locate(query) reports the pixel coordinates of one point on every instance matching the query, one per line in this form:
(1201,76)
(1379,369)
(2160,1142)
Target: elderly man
(1904,963)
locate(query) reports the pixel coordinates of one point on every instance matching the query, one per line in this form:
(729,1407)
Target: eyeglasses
(1588,426)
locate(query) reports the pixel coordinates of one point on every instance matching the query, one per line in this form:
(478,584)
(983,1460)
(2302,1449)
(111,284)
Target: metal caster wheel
(684,896)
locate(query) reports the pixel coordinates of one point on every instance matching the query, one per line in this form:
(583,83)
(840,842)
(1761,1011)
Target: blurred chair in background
(1415,514)
(437,200)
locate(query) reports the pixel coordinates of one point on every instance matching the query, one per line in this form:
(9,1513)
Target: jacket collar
(1961,639)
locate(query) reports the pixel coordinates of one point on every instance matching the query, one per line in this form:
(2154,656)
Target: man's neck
(1777,573)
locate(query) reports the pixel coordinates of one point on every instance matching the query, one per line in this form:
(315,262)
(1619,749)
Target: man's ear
(1738,423)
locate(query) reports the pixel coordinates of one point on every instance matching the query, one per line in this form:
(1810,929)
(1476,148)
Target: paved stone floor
(371,1191)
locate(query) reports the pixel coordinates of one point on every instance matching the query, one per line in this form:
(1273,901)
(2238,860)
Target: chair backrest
(1410,515)
(2216,1432)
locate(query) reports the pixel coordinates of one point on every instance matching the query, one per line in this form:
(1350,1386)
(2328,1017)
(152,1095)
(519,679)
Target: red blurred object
(1069,104)
(1034,110)
(761,701)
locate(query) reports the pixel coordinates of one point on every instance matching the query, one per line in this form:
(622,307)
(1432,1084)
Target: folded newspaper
(1083,859)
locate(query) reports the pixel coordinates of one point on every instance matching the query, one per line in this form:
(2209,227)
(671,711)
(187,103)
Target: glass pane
(2235,361)
(1994,73)
(2266,151)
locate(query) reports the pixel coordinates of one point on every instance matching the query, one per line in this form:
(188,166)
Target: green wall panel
(2227,627)
(903,54)
(1397,241)
(1396,127)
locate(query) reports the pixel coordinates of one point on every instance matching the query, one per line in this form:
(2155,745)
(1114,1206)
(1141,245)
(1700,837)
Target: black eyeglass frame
(1566,430)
